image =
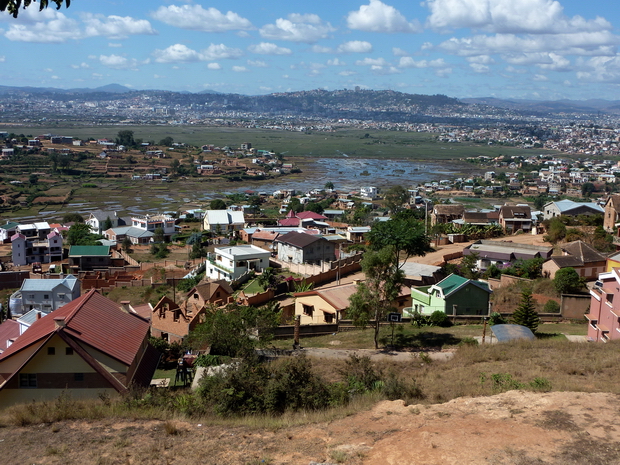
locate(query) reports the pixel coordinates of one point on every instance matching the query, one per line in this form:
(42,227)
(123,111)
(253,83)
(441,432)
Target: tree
(217,204)
(567,281)
(556,230)
(372,301)
(402,235)
(395,197)
(126,244)
(315,207)
(33,179)
(268,279)
(526,314)
(166,141)
(125,137)
(158,235)
(72,218)
(329,185)
(13,6)
(107,224)
(587,189)
(81,234)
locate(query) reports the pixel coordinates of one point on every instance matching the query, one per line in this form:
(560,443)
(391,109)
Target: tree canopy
(402,235)
(81,234)
(13,6)
(526,314)
(567,281)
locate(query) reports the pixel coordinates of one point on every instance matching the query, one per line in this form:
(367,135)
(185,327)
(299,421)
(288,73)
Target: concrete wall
(575,306)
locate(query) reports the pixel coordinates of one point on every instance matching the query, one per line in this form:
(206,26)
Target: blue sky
(536,49)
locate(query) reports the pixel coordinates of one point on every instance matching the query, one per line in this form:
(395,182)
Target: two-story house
(101,220)
(603,319)
(453,295)
(223,221)
(230,263)
(151,223)
(33,249)
(296,247)
(513,218)
(45,295)
(611,219)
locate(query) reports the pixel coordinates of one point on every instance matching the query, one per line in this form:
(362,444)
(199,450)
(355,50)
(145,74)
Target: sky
(527,49)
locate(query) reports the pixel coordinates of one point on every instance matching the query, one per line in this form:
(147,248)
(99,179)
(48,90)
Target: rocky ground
(512,428)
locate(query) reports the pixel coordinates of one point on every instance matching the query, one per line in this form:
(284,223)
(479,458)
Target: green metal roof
(454,282)
(89,251)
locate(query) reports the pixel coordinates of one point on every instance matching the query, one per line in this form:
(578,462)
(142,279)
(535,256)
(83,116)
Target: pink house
(604,316)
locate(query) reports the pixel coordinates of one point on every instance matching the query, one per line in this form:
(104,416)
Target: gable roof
(515,211)
(446,209)
(565,206)
(578,254)
(614,202)
(9,329)
(207,289)
(297,239)
(454,282)
(94,320)
(310,215)
(69,282)
(224,217)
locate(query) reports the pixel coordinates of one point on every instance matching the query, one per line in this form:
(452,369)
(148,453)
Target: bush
(393,388)
(496,318)
(439,318)
(551,306)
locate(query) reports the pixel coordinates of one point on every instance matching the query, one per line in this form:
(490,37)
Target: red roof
(8,330)
(290,222)
(311,215)
(94,320)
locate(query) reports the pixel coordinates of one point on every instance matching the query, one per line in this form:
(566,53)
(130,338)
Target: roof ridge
(75,310)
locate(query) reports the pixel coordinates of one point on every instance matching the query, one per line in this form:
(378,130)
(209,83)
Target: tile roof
(8,330)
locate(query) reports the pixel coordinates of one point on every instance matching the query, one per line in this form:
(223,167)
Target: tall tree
(125,137)
(81,234)
(217,204)
(526,314)
(395,198)
(373,298)
(404,236)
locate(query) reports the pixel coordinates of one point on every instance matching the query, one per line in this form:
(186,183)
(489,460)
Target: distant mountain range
(362,99)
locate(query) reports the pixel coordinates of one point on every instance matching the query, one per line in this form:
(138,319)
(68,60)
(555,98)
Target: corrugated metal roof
(89,250)
(49,284)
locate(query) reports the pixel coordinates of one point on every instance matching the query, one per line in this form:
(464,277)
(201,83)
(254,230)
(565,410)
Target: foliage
(329,185)
(373,298)
(556,231)
(107,224)
(208,360)
(217,204)
(187,284)
(268,279)
(496,318)
(395,198)
(525,314)
(13,6)
(402,236)
(439,318)
(159,250)
(551,306)
(126,244)
(125,137)
(315,207)
(81,234)
(72,218)
(567,281)
(166,141)
(158,234)
(528,269)
(492,272)
(471,231)
(232,330)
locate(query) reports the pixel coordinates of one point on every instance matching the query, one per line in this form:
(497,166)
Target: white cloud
(481,59)
(81,65)
(114,45)
(257,64)
(479,68)
(336,62)
(355,46)
(600,69)
(52,27)
(219,52)
(371,62)
(197,18)
(408,62)
(540,78)
(48,70)
(2,58)
(399,52)
(297,28)
(239,69)
(55,77)
(214,66)
(321,49)
(509,16)
(267,48)
(379,17)
(347,73)
(118,62)
(115,27)
(176,53)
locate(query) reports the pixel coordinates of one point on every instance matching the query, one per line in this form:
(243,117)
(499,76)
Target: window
(68,351)
(46,296)
(78,376)
(51,351)
(308,309)
(27,380)
(329,317)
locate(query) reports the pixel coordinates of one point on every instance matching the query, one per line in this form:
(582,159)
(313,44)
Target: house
(151,223)
(173,322)
(87,348)
(357,233)
(97,221)
(304,219)
(444,213)
(9,331)
(223,221)
(504,253)
(230,263)
(7,231)
(479,218)
(89,257)
(296,247)
(587,261)
(611,219)
(570,208)
(513,218)
(329,305)
(603,321)
(370,193)
(46,295)
(453,295)
(33,249)
(135,235)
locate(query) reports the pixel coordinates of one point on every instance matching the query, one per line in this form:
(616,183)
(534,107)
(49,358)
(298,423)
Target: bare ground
(513,428)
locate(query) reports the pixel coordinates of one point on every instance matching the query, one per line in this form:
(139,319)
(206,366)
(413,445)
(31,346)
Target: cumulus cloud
(336,62)
(371,62)
(346,73)
(540,78)
(51,27)
(118,62)
(267,48)
(479,68)
(408,62)
(114,45)
(399,52)
(481,59)
(297,28)
(321,49)
(379,17)
(81,65)
(509,16)
(115,27)
(257,63)
(239,69)
(2,58)
(214,66)
(179,53)
(355,46)
(195,17)
(220,51)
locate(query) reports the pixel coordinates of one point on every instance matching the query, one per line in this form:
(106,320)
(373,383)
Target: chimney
(59,322)
(125,306)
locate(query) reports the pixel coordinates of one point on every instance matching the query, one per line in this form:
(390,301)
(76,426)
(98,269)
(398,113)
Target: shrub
(439,318)
(496,318)
(394,388)
(551,306)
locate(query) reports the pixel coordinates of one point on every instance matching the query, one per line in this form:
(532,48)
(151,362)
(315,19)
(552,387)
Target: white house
(230,263)
(97,219)
(224,220)
(369,192)
(151,223)
(45,295)
(27,250)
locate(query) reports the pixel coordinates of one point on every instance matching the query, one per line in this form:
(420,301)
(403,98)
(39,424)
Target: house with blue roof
(453,295)
(570,208)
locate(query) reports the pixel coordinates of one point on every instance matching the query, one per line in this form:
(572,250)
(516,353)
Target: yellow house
(89,347)
(329,305)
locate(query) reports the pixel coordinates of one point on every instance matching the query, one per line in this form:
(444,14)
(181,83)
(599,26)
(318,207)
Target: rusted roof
(444,209)
(93,320)
(8,330)
(514,211)
(585,252)
(265,235)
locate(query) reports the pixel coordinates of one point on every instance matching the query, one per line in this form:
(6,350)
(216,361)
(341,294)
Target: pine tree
(526,314)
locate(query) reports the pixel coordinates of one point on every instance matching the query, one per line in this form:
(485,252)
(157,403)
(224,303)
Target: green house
(454,295)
